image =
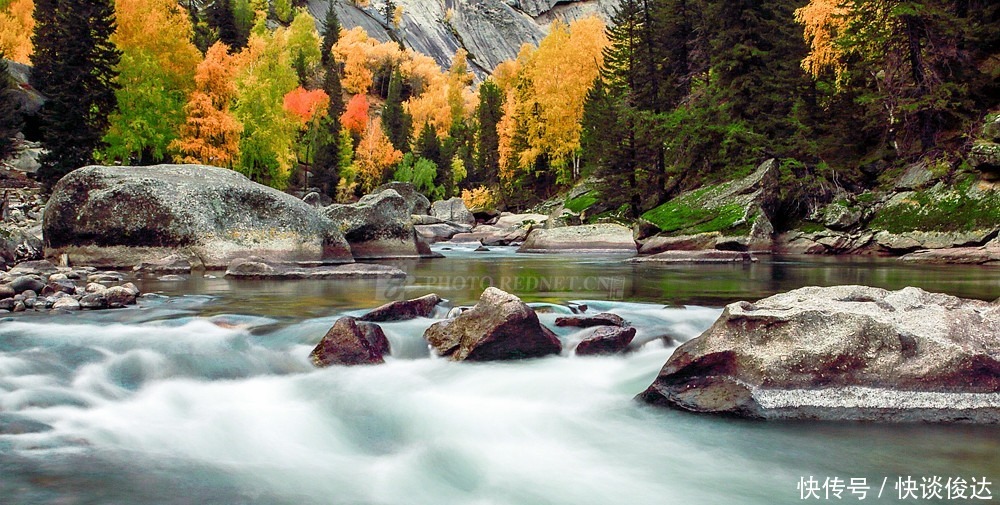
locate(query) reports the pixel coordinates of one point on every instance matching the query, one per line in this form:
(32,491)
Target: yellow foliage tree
(211,134)
(16,26)
(374,156)
(823,21)
(160,28)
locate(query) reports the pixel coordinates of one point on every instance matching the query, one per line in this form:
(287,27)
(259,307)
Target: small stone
(94,287)
(58,277)
(66,303)
(19,307)
(119,296)
(94,301)
(7,303)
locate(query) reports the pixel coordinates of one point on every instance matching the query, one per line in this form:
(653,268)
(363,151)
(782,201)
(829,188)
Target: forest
(667,96)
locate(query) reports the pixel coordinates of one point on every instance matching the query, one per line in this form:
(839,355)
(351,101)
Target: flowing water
(206,396)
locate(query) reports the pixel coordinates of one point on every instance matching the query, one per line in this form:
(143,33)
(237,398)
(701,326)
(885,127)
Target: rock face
(404,309)
(418,204)
(378,226)
(453,210)
(350,342)
(842,353)
(499,327)
(119,216)
(612,238)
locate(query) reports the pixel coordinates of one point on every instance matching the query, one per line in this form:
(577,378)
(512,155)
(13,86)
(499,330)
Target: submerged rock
(602,319)
(172,264)
(258,268)
(404,309)
(609,238)
(606,340)
(119,216)
(351,342)
(499,327)
(842,353)
(710,256)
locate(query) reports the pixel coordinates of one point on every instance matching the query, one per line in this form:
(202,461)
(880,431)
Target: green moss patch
(582,202)
(951,210)
(687,215)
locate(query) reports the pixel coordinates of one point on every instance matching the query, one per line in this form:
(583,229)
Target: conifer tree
(331,148)
(331,34)
(395,121)
(488,114)
(10,111)
(75,65)
(220,16)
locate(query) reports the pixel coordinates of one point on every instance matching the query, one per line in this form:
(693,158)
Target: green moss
(582,202)
(943,211)
(810,227)
(686,215)
(866,197)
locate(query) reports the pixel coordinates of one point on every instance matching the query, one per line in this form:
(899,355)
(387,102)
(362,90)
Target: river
(205,396)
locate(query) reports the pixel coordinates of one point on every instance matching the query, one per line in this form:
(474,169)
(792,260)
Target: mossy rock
(960,208)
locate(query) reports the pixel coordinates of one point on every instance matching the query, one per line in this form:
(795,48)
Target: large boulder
(351,342)
(499,327)
(402,310)
(453,210)
(842,353)
(120,216)
(378,226)
(609,238)
(418,204)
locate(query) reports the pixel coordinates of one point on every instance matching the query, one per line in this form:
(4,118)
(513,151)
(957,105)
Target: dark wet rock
(378,226)
(6,291)
(119,216)
(172,264)
(7,304)
(24,283)
(606,340)
(418,204)
(19,306)
(404,309)
(94,301)
(710,256)
(35,267)
(602,319)
(351,342)
(499,327)
(481,248)
(453,210)
(594,238)
(842,353)
(257,268)
(65,286)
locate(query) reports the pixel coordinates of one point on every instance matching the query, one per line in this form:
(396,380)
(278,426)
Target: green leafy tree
(75,64)
(304,45)
(419,171)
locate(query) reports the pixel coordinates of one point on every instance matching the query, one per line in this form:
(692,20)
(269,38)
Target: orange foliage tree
(355,117)
(211,134)
(374,156)
(306,105)
(16,26)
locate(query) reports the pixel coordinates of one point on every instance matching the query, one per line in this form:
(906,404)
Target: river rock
(7,304)
(453,210)
(6,291)
(432,233)
(592,238)
(842,353)
(18,245)
(351,342)
(499,327)
(258,268)
(415,201)
(37,267)
(697,242)
(66,303)
(119,216)
(24,283)
(172,264)
(602,319)
(94,301)
(404,309)
(606,340)
(985,255)
(119,296)
(378,226)
(709,256)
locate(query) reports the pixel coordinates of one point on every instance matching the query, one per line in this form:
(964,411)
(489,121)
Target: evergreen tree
(331,34)
(220,17)
(75,65)
(389,10)
(331,145)
(428,146)
(395,121)
(488,113)
(10,111)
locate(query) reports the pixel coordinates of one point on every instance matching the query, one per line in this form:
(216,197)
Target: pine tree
(389,10)
(331,34)
(75,68)
(428,146)
(488,114)
(10,111)
(330,146)
(395,121)
(220,16)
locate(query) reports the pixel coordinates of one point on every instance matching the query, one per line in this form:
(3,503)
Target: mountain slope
(490,30)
